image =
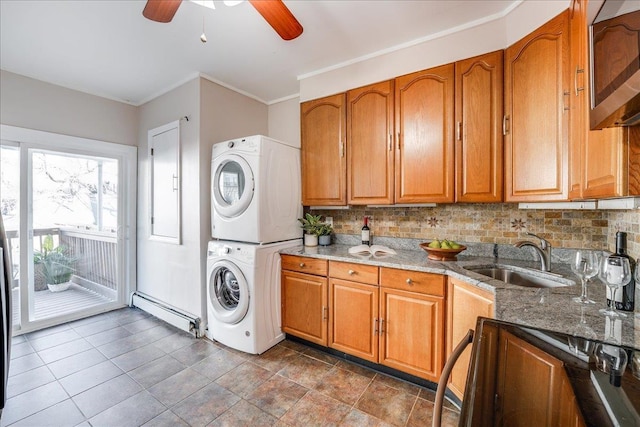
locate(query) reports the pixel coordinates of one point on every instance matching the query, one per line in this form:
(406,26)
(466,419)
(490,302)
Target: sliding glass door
(70,203)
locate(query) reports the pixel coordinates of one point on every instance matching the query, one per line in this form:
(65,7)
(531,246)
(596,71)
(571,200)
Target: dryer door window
(228,293)
(232,186)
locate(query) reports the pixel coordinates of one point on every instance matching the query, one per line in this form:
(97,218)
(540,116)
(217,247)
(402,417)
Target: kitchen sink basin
(522,278)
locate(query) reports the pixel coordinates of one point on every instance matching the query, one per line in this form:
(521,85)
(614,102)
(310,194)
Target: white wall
(483,38)
(34,104)
(284,121)
(166,271)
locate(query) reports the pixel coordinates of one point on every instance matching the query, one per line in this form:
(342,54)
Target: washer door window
(228,293)
(232,186)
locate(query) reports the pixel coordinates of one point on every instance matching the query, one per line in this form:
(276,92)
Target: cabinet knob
(409,281)
(351,272)
(301,264)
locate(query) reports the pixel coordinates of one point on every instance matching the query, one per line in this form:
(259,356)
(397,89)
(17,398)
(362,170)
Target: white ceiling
(107,48)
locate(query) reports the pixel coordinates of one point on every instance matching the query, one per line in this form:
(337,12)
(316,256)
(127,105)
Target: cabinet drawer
(304,265)
(354,272)
(413,281)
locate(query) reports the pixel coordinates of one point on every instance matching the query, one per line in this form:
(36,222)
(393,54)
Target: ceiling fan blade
(161,10)
(279,17)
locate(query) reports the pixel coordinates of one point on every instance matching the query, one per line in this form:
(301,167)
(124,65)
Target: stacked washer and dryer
(255,205)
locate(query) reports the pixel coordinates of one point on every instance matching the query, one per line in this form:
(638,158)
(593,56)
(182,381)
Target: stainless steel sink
(522,278)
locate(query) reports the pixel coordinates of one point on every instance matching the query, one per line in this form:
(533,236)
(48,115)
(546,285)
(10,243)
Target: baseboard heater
(179,319)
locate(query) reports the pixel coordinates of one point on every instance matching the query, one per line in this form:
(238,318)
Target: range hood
(615,63)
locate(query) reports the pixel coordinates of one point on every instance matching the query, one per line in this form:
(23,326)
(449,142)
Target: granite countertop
(550,309)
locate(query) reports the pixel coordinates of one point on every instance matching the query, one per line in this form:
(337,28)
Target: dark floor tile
(388,404)
(156,371)
(321,356)
(203,406)
(175,342)
(343,385)
(86,330)
(138,357)
(90,377)
(305,371)
(69,365)
(244,379)
(47,331)
(134,411)
(196,352)
(101,397)
(175,388)
(106,337)
(53,340)
(31,402)
(24,364)
(357,369)
(21,349)
(360,419)
(398,384)
(64,350)
(292,345)
(275,358)
(217,364)
(62,414)
(244,414)
(276,395)
(29,380)
(166,419)
(316,409)
(422,415)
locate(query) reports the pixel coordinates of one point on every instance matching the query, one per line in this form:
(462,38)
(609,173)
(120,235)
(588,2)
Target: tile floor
(126,368)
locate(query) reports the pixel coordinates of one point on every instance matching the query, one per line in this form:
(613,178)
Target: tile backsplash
(501,223)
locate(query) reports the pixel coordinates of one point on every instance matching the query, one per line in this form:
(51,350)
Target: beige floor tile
(277,395)
(389,404)
(343,385)
(316,409)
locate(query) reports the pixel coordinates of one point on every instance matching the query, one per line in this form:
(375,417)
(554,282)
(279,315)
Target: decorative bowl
(438,254)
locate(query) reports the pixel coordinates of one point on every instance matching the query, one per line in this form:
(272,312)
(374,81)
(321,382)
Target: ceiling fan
(273,11)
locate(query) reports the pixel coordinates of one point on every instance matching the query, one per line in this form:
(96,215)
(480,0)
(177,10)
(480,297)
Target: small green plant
(312,224)
(57,266)
(325,229)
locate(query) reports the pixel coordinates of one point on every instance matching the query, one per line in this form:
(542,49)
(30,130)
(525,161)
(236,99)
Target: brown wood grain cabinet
(536,122)
(370,144)
(424,161)
(305,311)
(478,124)
(323,151)
(465,303)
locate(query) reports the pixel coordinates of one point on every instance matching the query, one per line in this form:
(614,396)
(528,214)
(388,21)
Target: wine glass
(585,266)
(615,272)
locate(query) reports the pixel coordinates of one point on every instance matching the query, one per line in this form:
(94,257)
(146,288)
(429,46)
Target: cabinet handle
(459,131)
(381,326)
(325,311)
(390,141)
(398,146)
(301,264)
(565,94)
(505,125)
(375,326)
(175,182)
(575,80)
(341,148)
(351,272)
(409,281)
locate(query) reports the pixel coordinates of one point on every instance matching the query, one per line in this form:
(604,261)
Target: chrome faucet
(544,250)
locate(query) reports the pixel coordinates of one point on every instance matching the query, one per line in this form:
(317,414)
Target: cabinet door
(465,303)
(529,382)
(304,306)
(479,111)
(536,121)
(323,162)
(353,318)
(370,144)
(424,166)
(605,163)
(412,332)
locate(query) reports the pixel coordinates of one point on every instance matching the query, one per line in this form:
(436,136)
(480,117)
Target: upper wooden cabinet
(370,144)
(424,166)
(323,162)
(537,92)
(479,112)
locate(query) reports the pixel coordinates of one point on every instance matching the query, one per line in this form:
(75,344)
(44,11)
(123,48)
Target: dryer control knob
(226,250)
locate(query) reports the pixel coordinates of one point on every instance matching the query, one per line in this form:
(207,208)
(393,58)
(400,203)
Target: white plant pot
(59,287)
(310,240)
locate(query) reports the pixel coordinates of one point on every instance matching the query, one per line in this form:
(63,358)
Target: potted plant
(311,225)
(56,267)
(324,234)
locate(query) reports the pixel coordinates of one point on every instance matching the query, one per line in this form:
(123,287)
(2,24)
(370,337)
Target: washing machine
(255,190)
(243,294)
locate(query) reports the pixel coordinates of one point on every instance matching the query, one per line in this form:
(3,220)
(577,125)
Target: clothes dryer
(255,190)
(243,294)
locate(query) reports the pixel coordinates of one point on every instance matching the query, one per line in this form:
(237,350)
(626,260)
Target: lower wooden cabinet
(465,303)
